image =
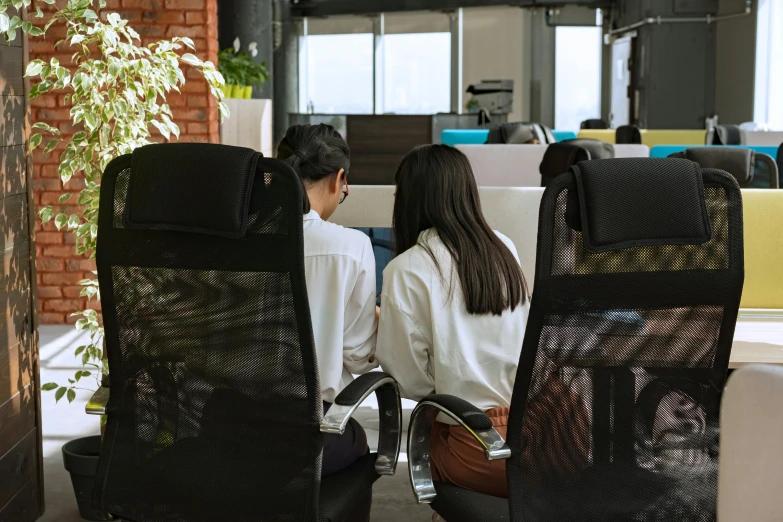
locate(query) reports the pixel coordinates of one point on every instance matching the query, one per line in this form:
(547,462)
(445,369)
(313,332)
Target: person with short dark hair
(453,310)
(340,277)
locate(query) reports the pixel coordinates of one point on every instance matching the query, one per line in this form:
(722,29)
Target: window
(416,73)
(577,76)
(336,74)
(768,104)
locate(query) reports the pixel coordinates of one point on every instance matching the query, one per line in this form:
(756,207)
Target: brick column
(195,111)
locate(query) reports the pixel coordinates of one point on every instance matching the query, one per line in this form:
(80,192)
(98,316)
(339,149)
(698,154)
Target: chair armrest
(97,403)
(422,419)
(389,408)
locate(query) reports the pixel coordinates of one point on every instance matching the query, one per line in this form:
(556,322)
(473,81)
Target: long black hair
(436,189)
(314,152)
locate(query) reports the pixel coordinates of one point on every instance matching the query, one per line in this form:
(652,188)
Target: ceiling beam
(367,7)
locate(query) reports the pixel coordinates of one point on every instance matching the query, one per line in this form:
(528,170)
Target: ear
(337,183)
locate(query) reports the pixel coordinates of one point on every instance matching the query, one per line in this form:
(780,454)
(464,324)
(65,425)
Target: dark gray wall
(542,70)
(674,63)
(251,21)
(677,89)
(735,66)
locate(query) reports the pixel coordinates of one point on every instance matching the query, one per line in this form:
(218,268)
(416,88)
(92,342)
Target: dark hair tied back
(315,152)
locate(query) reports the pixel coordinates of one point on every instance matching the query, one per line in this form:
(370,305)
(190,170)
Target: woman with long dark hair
(453,309)
(340,276)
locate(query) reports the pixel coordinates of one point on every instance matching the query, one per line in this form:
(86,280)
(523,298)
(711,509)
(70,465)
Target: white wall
(494,49)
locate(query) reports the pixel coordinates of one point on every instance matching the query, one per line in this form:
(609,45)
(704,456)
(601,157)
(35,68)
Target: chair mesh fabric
(640,339)
(166,190)
(456,504)
(215,402)
(658,201)
(340,490)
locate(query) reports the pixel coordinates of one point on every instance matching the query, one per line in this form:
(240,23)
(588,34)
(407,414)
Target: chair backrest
(215,405)
(544,133)
(738,162)
(751,169)
(751,462)
(639,274)
(511,134)
(726,135)
(628,134)
(594,123)
(765,172)
(559,157)
(598,149)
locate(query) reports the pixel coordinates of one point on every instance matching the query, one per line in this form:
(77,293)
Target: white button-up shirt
(430,343)
(340,275)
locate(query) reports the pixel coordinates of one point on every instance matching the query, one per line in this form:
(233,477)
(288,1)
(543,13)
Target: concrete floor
(392,497)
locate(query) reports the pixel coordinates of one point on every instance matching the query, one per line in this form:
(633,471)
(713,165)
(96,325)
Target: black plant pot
(80,457)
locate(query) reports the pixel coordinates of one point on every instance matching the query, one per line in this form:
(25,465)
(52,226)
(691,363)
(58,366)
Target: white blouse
(340,275)
(430,343)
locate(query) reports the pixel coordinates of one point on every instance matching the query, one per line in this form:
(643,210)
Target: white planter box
(250,125)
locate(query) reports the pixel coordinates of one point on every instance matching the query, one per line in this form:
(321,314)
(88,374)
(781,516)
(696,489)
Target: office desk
(758,339)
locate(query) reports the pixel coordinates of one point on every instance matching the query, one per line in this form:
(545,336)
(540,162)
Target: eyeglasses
(345,189)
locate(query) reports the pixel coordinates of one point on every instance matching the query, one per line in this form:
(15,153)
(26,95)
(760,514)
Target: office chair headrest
(511,134)
(738,162)
(595,123)
(559,157)
(727,135)
(598,149)
(633,202)
(190,187)
(628,134)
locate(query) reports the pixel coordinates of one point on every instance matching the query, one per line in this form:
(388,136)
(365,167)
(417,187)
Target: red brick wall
(195,111)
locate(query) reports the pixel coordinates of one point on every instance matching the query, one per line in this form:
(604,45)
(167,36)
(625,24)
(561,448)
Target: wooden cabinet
(21,469)
(378,144)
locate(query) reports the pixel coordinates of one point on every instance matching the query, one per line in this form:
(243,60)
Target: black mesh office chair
(628,134)
(779,161)
(726,135)
(751,169)
(595,123)
(214,410)
(559,157)
(544,133)
(614,415)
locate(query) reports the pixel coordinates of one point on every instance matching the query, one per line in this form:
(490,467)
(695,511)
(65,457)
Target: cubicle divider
(652,137)
(517,165)
(762,138)
(513,211)
(664,151)
(455,137)
(510,211)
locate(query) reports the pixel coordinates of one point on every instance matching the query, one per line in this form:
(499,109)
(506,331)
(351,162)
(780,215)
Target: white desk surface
(758,339)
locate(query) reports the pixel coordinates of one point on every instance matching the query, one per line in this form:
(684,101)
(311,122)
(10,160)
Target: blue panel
(564,135)
(479,136)
(464,136)
(664,151)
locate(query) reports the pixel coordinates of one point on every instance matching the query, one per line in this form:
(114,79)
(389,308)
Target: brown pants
(457,458)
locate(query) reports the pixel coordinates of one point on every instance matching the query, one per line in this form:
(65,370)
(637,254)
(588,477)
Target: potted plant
(117,91)
(240,71)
